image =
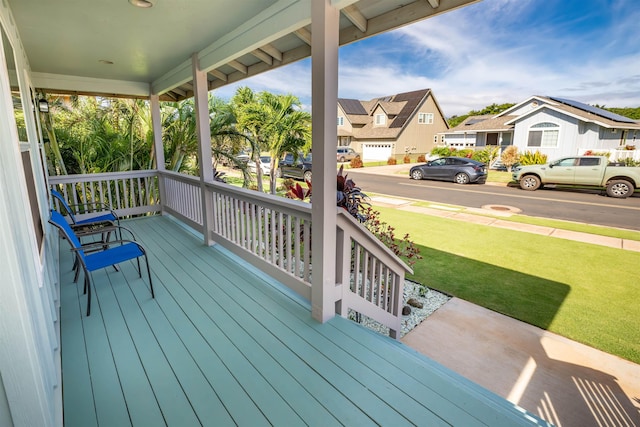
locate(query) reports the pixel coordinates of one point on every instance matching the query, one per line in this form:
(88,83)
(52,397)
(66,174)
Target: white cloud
(495,51)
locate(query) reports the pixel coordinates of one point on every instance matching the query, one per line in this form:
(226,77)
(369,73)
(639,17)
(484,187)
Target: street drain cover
(501,208)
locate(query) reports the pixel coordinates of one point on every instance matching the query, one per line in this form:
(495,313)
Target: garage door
(376,151)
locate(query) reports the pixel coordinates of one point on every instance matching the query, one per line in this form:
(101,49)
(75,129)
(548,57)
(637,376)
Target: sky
(495,51)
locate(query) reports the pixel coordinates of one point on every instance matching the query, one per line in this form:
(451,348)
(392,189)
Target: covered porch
(243,332)
(224,344)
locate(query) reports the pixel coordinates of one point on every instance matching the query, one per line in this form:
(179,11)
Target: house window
(425,118)
(435,139)
(340,121)
(543,135)
(381,119)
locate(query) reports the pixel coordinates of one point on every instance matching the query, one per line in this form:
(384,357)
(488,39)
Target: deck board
(223,345)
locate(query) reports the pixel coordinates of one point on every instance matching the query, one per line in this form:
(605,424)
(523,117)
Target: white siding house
(553,126)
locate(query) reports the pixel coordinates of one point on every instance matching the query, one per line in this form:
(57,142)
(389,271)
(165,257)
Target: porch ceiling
(68,41)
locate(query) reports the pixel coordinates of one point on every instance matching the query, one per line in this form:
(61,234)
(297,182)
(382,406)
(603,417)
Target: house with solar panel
(391,126)
(553,126)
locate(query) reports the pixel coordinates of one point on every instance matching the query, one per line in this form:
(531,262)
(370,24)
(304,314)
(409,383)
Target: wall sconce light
(43,106)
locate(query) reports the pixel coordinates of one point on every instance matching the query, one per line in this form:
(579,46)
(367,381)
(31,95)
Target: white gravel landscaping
(431,300)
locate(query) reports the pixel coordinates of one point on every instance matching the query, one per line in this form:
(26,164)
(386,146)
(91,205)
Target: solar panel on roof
(474,121)
(352,106)
(412,99)
(594,110)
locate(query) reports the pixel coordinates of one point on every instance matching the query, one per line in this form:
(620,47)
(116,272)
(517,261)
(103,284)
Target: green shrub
(443,151)
(486,156)
(529,158)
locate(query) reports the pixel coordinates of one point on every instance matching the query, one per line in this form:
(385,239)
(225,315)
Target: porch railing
(272,233)
(373,274)
(128,193)
(182,198)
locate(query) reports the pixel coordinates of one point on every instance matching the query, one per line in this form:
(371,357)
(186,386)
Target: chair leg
(139,269)
(87,285)
(149,273)
(76,269)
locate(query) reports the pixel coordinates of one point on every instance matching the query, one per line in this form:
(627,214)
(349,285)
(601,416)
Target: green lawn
(584,292)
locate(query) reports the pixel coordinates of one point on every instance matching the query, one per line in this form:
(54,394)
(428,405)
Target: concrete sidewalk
(479,216)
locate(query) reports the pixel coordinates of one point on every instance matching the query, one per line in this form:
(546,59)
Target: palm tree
(250,117)
(275,123)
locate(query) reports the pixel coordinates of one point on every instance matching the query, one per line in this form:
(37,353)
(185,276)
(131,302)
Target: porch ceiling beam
(239,66)
(218,75)
(304,35)
(403,15)
(354,15)
(280,19)
(434,3)
(288,57)
(86,85)
(262,56)
(179,91)
(271,50)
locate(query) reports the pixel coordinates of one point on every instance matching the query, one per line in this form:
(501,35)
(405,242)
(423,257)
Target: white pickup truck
(619,181)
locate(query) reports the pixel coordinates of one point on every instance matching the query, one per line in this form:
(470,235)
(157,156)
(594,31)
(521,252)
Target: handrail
(271,232)
(127,193)
(182,198)
(371,275)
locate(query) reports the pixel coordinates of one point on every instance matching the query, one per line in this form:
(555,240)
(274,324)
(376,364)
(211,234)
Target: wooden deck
(222,345)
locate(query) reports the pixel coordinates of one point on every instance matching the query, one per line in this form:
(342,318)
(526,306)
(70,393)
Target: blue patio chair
(106,214)
(100,254)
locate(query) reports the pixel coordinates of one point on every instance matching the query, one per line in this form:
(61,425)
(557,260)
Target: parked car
(296,166)
(345,154)
(265,165)
(618,181)
(240,158)
(457,169)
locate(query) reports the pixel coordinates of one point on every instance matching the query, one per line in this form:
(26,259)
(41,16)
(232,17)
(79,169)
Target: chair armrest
(105,229)
(95,206)
(105,245)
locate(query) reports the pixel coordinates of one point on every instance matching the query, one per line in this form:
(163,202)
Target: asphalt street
(586,206)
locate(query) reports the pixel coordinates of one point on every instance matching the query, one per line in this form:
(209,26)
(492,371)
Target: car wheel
(307,176)
(278,173)
(462,178)
(619,188)
(416,174)
(530,183)
(342,159)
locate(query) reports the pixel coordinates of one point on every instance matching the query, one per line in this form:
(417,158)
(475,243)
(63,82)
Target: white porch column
(324,99)
(158,147)
(201,91)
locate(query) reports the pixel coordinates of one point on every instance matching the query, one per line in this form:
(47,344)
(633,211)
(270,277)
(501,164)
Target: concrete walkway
(567,383)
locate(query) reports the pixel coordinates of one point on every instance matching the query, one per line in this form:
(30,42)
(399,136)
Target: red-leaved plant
(350,197)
